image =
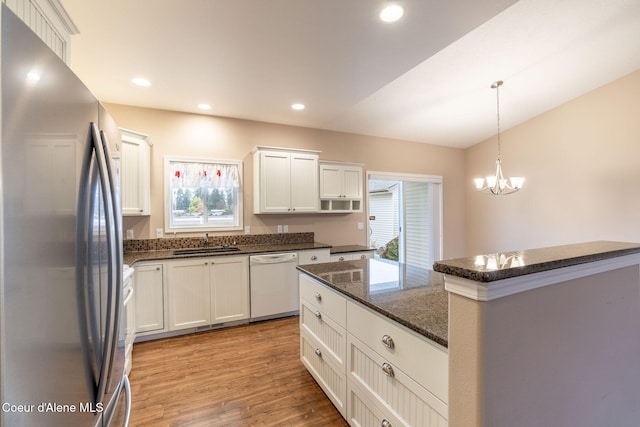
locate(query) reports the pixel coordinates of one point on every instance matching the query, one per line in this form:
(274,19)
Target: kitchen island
(545,337)
(373,334)
(537,337)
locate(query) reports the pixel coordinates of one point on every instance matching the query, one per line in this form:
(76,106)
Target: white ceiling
(424,78)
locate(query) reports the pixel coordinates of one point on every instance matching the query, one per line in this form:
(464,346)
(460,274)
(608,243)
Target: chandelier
(497,184)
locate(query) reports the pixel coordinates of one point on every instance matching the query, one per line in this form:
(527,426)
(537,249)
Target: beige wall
(581,162)
(182,134)
(582,167)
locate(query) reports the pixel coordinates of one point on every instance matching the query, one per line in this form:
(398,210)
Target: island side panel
(466,333)
(561,355)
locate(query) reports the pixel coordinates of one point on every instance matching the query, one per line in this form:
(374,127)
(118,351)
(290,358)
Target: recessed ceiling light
(140,81)
(297,106)
(204,106)
(391,13)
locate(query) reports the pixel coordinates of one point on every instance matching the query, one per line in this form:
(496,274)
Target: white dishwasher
(274,285)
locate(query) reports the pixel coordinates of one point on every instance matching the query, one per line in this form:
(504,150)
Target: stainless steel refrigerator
(61,338)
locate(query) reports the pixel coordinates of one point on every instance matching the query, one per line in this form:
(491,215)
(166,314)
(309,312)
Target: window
(202,194)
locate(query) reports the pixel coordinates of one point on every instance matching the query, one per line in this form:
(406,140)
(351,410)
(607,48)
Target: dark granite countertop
(349,248)
(164,254)
(489,268)
(412,296)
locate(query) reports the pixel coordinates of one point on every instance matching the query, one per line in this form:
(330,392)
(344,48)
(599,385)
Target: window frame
(169,227)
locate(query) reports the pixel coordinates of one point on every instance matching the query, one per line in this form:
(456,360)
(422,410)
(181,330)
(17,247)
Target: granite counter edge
(485,276)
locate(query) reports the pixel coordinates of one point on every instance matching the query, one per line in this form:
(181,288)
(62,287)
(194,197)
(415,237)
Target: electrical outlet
(279,229)
(158,233)
(129,234)
(360,226)
(247,229)
(286,228)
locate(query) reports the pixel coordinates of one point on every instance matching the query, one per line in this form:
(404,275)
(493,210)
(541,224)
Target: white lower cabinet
(150,298)
(350,256)
(323,338)
(324,370)
(374,370)
(229,279)
(363,413)
(205,291)
(189,294)
(392,393)
(313,256)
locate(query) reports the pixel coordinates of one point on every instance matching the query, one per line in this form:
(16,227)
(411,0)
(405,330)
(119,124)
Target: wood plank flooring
(242,376)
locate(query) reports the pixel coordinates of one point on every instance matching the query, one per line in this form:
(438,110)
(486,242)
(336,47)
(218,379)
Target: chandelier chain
(498,84)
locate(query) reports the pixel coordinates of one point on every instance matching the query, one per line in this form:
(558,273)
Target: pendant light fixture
(497,185)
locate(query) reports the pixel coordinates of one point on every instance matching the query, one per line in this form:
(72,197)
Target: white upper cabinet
(49,20)
(285,181)
(136,173)
(340,187)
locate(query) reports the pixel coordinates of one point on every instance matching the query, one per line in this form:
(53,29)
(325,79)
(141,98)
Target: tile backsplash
(136,245)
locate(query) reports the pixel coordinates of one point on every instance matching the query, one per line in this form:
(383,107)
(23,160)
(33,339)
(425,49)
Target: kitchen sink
(211,250)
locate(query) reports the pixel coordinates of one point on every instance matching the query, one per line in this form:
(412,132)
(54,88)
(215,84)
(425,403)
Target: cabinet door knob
(318,352)
(388,341)
(318,315)
(318,296)
(385,423)
(313,258)
(157,268)
(388,370)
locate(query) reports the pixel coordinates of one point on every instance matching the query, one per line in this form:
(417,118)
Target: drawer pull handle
(318,352)
(314,258)
(318,296)
(363,257)
(385,423)
(388,341)
(388,370)
(318,315)
(341,258)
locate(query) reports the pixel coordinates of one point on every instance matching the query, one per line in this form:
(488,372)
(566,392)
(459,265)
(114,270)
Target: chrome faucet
(206,239)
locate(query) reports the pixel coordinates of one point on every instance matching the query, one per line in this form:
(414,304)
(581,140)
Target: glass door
(405,217)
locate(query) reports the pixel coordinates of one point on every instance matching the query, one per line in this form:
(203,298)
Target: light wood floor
(242,376)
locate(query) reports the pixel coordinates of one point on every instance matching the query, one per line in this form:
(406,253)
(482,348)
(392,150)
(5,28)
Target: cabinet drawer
(327,301)
(386,383)
(363,412)
(329,376)
(331,336)
(422,360)
(314,256)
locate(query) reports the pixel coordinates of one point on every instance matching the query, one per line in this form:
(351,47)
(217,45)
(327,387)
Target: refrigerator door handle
(111,319)
(115,252)
(127,390)
(89,325)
